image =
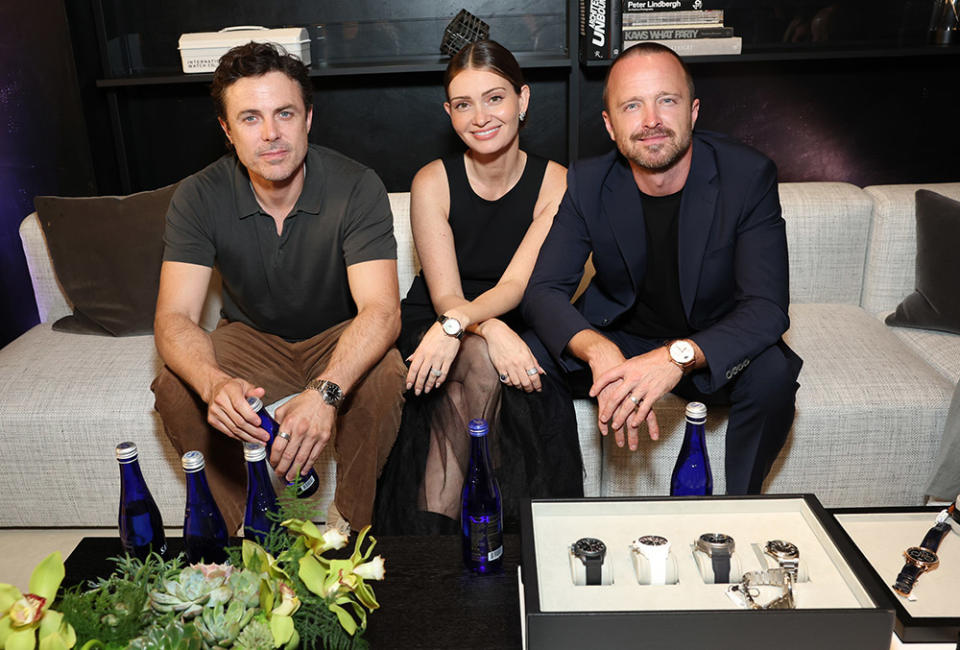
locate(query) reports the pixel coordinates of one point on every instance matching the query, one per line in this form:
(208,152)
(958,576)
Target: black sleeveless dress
(486,236)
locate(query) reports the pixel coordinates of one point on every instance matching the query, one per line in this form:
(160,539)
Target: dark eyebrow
(483,94)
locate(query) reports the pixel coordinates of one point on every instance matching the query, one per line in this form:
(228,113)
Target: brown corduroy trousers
(366,425)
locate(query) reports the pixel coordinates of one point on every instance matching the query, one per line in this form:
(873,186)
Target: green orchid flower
(27,619)
(277,599)
(342,583)
(316,541)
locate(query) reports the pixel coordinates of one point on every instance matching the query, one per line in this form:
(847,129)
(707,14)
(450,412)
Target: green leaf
(25,639)
(8,596)
(47,577)
(346,621)
(313,574)
(282,629)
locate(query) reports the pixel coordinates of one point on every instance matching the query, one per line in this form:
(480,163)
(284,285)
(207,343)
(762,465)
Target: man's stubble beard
(652,163)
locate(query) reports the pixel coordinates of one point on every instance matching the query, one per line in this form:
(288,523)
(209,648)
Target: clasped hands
(430,363)
(306,419)
(626,390)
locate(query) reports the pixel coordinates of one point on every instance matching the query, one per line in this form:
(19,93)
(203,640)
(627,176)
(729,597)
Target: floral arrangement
(281,594)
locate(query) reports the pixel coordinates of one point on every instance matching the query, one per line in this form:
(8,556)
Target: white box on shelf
(201,51)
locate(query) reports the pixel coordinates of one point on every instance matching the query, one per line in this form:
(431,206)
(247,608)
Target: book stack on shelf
(682,25)
(685,26)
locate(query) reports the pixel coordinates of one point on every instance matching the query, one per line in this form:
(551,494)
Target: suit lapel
(697,207)
(622,207)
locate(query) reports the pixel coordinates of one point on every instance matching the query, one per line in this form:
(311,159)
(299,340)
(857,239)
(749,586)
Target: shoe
(336,521)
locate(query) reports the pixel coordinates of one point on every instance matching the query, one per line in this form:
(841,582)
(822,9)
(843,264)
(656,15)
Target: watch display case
(832,608)
(931,613)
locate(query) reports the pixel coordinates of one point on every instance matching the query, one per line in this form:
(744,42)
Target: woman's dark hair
(485,55)
(255,60)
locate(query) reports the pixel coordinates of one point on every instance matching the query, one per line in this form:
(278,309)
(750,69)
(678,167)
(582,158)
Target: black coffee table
(426,601)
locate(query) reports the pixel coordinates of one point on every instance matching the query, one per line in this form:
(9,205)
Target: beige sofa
(870,410)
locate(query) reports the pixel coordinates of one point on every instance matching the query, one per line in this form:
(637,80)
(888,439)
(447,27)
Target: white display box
(833,607)
(881,535)
(201,51)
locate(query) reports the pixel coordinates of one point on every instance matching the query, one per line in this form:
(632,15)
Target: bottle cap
(252,452)
(127,451)
(697,412)
(192,461)
(255,403)
(478,427)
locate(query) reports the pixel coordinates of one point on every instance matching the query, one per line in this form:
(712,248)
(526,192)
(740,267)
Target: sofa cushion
(935,303)
(939,349)
(889,273)
(856,419)
(107,252)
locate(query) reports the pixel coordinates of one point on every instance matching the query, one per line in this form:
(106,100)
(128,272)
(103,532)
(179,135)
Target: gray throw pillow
(106,253)
(935,305)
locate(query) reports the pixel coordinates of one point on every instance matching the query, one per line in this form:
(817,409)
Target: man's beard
(666,155)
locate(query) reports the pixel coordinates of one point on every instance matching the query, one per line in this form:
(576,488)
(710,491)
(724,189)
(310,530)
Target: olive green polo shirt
(294,284)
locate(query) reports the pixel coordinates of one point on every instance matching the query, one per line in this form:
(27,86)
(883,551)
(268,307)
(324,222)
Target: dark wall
(864,121)
(43,148)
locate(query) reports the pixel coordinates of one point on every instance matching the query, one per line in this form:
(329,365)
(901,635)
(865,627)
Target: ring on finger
(284,435)
(532,372)
(435,372)
(636,401)
(504,377)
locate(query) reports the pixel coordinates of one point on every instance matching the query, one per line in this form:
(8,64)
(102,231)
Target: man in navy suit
(691,288)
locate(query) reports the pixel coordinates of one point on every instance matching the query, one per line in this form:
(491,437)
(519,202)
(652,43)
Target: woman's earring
(523,115)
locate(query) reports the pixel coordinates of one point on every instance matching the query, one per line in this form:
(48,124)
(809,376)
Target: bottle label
(486,538)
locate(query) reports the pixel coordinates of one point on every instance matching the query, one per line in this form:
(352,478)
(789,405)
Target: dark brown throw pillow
(935,305)
(106,252)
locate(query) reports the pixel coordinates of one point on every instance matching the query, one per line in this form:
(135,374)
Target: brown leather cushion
(935,305)
(106,252)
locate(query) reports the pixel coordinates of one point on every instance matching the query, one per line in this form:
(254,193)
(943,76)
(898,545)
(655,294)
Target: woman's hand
(430,362)
(511,357)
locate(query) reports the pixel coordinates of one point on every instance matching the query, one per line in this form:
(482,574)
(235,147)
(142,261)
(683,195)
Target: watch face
(681,351)
(589,547)
(711,543)
(782,549)
(451,326)
(652,540)
(921,556)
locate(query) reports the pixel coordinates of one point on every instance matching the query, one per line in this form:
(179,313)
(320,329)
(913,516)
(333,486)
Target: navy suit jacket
(734,282)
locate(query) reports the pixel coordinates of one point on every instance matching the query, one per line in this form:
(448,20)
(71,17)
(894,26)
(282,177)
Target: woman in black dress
(478,221)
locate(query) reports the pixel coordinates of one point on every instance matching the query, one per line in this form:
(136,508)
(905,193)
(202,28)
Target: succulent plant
(190,592)
(255,636)
(219,627)
(245,587)
(176,635)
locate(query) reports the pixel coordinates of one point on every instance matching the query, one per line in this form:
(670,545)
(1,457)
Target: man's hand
(435,354)
(644,378)
(309,421)
(229,412)
(511,356)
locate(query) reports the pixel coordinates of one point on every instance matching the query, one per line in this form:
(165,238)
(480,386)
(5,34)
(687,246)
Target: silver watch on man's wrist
(331,393)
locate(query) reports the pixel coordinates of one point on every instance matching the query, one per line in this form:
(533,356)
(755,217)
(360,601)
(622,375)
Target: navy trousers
(761,398)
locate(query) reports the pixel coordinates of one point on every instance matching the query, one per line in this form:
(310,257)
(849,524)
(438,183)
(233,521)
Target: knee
(170,391)
(475,366)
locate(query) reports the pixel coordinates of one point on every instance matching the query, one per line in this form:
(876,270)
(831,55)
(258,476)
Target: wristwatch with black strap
(923,558)
(591,552)
(451,326)
(718,547)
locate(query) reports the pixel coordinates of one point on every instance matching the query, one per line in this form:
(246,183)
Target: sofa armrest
(51,301)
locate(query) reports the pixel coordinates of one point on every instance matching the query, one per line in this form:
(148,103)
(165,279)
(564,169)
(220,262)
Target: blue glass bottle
(481,509)
(691,474)
(309,483)
(261,499)
(204,531)
(141,528)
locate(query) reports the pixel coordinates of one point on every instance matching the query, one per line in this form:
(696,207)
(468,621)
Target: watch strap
(907,578)
(721,567)
(658,570)
(931,541)
(594,566)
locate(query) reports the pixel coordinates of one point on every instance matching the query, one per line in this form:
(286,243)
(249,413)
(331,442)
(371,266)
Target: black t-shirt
(293,285)
(658,311)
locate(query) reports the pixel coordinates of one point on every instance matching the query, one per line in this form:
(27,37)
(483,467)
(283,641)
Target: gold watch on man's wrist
(682,354)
